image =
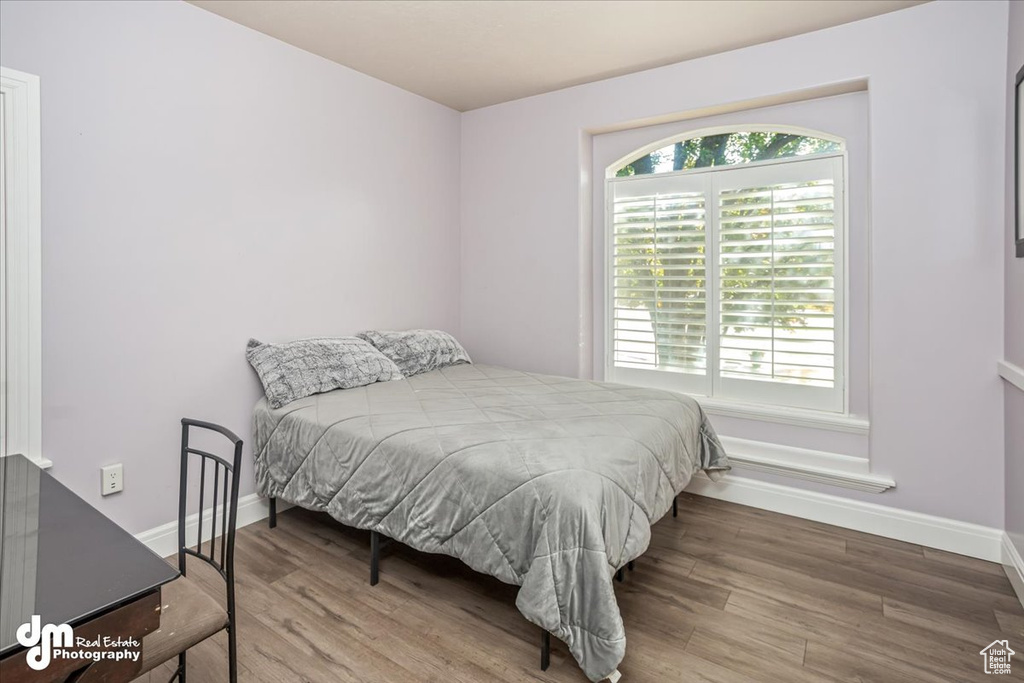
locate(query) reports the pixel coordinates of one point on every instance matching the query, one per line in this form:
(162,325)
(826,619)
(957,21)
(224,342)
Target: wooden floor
(725,593)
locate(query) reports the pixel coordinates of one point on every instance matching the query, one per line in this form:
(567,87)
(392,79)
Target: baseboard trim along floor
(963,538)
(163,540)
(1013,564)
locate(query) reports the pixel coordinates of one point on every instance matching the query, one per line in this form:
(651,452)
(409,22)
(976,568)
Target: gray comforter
(545,482)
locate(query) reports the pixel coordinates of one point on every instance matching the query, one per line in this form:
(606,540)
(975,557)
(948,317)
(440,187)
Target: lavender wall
(200,175)
(936,218)
(203,183)
(1014,348)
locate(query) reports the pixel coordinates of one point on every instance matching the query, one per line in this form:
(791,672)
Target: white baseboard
(974,540)
(1014,567)
(163,540)
(963,538)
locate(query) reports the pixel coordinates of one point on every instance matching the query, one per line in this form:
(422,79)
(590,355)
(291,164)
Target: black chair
(189,615)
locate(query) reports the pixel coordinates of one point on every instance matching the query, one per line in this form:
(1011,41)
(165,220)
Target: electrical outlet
(112,480)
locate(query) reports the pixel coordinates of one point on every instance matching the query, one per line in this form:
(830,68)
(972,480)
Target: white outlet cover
(112,479)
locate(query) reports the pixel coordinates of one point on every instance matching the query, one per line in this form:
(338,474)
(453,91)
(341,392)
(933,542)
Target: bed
(548,483)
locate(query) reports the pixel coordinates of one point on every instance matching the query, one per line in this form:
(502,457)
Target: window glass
(726,149)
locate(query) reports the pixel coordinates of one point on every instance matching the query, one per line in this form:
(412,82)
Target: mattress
(549,483)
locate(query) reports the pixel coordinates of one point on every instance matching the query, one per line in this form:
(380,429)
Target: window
(20,348)
(725,273)
(721,149)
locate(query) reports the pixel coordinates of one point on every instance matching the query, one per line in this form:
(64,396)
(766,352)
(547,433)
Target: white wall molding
(1013,564)
(801,463)
(163,540)
(1014,374)
(954,536)
(797,417)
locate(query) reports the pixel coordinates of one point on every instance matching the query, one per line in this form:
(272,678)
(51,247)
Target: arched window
(726,149)
(725,267)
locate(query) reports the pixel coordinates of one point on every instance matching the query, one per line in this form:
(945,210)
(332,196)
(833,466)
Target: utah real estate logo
(997,657)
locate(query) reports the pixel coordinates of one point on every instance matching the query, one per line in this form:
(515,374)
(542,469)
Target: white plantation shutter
(659,313)
(768,327)
(779,250)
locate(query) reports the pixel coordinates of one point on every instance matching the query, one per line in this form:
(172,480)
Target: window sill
(1013,374)
(799,417)
(833,469)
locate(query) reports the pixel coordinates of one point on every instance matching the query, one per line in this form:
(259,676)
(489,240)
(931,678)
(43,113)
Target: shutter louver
(659,298)
(729,282)
(777,282)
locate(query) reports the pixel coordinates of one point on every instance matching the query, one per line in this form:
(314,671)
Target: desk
(62,560)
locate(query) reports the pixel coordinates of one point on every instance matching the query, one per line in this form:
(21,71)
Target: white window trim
(1013,374)
(613,168)
(834,469)
(837,420)
(22,333)
(797,417)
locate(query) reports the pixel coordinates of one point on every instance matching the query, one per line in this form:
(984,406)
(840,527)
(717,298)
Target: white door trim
(22,388)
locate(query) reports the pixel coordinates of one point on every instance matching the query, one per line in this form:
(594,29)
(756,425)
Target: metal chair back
(221,556)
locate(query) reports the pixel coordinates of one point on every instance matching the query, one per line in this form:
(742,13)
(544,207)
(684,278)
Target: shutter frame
(657,239)
(715,181)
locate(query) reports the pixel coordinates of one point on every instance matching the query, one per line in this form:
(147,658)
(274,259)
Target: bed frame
(376,545)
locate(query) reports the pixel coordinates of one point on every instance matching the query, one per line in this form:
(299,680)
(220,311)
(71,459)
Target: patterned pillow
(416,351)
(312,366)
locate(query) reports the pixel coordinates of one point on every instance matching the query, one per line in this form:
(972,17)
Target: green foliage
(726,149)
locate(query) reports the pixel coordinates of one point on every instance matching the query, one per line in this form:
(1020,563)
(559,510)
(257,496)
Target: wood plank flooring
(724,594)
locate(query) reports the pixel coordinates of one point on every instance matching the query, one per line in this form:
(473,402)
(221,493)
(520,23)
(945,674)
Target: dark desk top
(60,558)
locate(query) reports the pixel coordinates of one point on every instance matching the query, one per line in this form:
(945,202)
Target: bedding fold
(548,483)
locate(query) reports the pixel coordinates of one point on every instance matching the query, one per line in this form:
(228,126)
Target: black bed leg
(374,558)
(630,565)
(618,576)
(545,651)
(675,506)
(273,512)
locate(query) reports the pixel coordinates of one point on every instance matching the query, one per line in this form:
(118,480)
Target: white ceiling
(473,53)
